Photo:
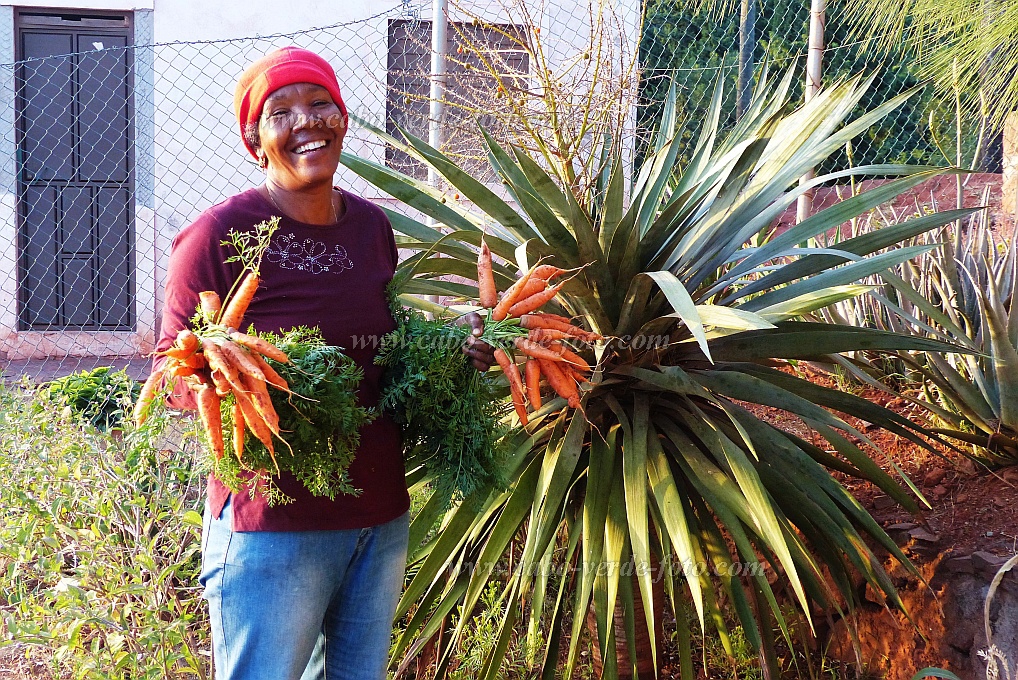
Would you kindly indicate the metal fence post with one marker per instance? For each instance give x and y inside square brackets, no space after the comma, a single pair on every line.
[439,76]
[439,39]
[747,46]
[814,79]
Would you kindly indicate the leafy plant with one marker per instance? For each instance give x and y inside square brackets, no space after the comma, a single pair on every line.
[101,396]
[932,672]
[959,43]
[665,458]
[449,414]
[99,544]
[320,421]
[479,638]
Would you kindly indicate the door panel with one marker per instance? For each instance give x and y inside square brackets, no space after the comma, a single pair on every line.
[39,257]
[114,255]
[102,109]
[76,221]
[48,103]
[77,292]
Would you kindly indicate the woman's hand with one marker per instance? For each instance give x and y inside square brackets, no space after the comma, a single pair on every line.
[482,355]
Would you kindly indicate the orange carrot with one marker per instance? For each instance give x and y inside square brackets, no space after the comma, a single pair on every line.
[487,293]
[552,317]
[529,304]
[210,305]
[560,382]
[261,346]
[241,359]
[512,373]
[569,356]
[546,272]
[177,353]
[180,370]
[211,418]
[183,347]
[533,287]
[221,384]
[238,430]
[255,423]
[509,297]
[271,376]
[552,322]
[532,373]
[196,360]
[580,376]
[532,349]
[545,335]
[259,396]
[148,393]
[199,379]
[187,340]
[237,308]
[219,362]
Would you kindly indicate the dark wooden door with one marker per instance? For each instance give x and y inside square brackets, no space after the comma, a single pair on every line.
[75,180]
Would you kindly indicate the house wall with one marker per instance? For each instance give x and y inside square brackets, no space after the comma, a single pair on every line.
[188,153]
[8,187]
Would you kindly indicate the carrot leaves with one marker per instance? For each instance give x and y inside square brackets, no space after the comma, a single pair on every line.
[320,422]
[449,413]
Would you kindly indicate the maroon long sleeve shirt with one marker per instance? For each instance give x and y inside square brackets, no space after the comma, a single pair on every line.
[332,277]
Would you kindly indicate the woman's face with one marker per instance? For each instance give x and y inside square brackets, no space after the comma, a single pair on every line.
[301,132]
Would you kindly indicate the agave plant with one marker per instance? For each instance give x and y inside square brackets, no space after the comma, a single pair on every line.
[962,291]
[666,463]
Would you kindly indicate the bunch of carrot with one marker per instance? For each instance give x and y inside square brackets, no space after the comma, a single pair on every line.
[545,346]
[216,360]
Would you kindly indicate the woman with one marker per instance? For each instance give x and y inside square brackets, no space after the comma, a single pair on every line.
[307,589]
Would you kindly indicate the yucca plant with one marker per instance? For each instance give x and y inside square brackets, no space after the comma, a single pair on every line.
[666,463]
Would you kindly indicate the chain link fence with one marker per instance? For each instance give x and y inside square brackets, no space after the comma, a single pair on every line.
[111,142]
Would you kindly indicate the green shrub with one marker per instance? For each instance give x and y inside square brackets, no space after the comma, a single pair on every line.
[101,396]
[99,543]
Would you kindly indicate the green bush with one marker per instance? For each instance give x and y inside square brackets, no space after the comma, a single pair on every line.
[101,396]
[99,544]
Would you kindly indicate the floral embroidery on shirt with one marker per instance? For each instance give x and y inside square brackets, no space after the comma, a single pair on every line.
[308,255]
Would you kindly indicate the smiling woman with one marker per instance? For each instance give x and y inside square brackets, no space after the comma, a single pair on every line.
[300,151]
[299,135]
[308,588]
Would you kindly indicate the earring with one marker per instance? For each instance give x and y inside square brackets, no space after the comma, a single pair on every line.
[263,162]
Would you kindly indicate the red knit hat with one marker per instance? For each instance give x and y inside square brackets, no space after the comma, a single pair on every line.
[277,69]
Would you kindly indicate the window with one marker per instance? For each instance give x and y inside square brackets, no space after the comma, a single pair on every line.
[470,93]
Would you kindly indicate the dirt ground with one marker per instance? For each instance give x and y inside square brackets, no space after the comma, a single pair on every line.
[971,507]
[972,517]
[16,664]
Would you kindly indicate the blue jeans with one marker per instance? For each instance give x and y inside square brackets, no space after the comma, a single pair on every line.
[305,605]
